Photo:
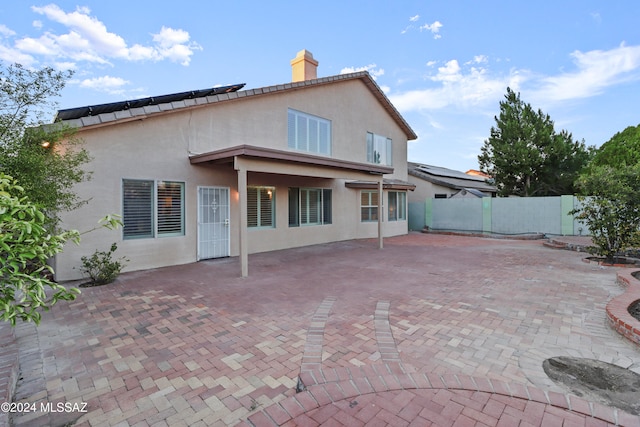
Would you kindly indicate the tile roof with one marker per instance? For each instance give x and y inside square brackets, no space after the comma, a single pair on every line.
[129,110]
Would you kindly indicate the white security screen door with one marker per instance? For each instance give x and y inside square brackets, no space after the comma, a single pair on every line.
[213,222]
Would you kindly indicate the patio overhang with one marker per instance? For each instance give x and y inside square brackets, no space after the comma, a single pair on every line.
[387,184]
[228,155]
[247,159]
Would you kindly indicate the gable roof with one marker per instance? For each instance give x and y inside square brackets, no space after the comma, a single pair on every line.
[450,178]
[112,113]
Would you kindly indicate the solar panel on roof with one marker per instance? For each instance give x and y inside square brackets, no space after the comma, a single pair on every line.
[93,110]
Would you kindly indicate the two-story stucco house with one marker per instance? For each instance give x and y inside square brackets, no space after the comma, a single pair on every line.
[230,172]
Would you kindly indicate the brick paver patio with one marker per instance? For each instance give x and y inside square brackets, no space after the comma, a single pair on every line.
[431,330]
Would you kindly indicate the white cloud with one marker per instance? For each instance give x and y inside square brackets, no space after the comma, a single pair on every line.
[65,66]
[479,59]
[12,55]
[474,85]
[414,18]
[596,70]
[458,87]
[104,82]
[88,39]
[6,31]
[37,24]
[431,63]
[108,84]
[434,28]
[371,68]
[449,73]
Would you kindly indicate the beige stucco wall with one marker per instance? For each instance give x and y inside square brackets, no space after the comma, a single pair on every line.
[426,190]
[158,148]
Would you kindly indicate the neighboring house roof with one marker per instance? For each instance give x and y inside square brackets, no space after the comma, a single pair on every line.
[116,112]
[450,178]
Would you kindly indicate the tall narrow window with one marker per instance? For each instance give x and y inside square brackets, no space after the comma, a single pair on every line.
[137,209]
[368,206]
[170,208]
[379,149]
[294,207]
[309,206]
[261,206]
[308,133]
[397,206]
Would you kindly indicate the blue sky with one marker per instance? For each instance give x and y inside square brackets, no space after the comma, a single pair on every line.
[444,64]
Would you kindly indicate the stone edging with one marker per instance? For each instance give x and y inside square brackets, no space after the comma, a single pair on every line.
[328,386]
[9,367]
[617,309]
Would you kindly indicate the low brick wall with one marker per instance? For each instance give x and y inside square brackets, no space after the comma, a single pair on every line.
[618,308]
[8,367]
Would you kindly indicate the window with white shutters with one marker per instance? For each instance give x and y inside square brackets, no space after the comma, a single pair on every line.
[152,208]
[261,207]
[170,208]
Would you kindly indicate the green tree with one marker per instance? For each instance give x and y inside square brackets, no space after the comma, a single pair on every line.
[25,247]
[623,149]
[610,206]
[526,156]
[29,150]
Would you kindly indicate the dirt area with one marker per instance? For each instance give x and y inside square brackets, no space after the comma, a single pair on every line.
[593,379]
[634,310]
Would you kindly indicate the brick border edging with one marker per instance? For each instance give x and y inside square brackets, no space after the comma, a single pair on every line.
[9,368]
[353,382]
[617,309]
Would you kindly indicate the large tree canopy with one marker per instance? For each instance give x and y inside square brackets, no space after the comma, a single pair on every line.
[623,149]
[28,149]
[526,156]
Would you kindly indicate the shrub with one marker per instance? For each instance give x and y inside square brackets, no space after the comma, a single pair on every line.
[101,268]
[25,247]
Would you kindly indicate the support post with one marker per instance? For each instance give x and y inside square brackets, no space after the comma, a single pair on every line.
[242,203]
[380,214]
[487,216]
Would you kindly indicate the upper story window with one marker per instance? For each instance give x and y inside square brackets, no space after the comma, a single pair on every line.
[379,149]
[309,133]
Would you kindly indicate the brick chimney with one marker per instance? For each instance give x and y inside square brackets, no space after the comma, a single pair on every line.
[304,67]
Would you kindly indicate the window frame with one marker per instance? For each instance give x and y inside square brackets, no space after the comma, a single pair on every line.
[155,217]
[309,133]
[270,193]
[298,217]
[371,206]
[379,144]
[397,210]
